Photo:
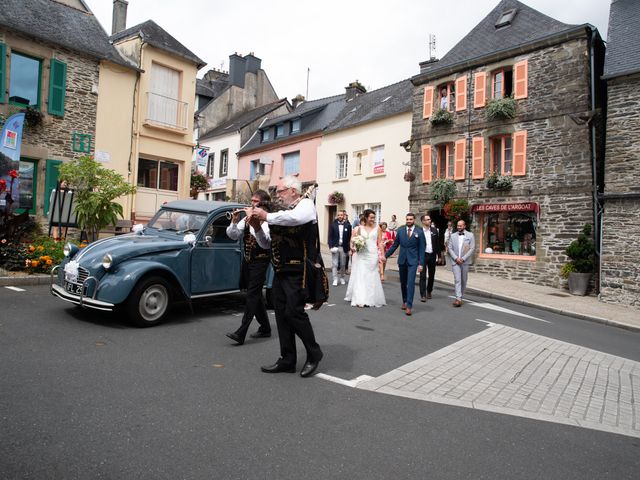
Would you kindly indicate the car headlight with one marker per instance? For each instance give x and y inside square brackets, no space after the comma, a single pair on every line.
[107,260]
[70,249]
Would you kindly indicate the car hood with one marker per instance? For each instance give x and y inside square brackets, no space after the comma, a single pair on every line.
[124,247]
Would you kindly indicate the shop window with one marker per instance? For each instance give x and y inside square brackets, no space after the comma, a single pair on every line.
[501,154]
[224,163]
[509,233]
[341,165]
[502,83]
[291,163]
[444,161]
[447,97]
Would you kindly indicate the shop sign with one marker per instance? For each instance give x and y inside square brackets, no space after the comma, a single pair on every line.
[505,207]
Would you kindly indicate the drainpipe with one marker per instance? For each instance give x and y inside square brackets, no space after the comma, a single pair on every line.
[597,217]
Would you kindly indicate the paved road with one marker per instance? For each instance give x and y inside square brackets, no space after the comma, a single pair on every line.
[83,395]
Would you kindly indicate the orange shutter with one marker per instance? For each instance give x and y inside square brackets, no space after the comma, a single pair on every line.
[520,79]
[458,171]
[426,163]
[477,166]
[479,91]
[427,109]
[461,93]
[520,153]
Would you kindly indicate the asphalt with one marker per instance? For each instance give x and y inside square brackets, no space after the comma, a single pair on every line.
[547,298]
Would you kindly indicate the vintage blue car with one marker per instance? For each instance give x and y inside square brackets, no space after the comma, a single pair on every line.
[183,253]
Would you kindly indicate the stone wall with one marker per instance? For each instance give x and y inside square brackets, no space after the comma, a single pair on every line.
[620,275]
[558,160]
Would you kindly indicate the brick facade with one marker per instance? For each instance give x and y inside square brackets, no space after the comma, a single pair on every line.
[558,154]
[620,275]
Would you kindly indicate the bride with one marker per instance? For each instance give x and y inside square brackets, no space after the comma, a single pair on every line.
[365,287]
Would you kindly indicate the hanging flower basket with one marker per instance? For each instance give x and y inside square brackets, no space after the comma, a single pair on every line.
[335,198]
[409,176]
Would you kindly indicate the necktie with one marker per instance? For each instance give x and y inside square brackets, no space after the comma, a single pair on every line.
[409,230]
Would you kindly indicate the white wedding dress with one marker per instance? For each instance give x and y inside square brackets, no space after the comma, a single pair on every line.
[365,287]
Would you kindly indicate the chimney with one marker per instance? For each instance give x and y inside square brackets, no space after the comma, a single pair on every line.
[213,75]
[119,20]
[297,100]
[237,69]
[253,63]
[353,90]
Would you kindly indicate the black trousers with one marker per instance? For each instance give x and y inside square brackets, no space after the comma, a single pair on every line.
[291,319]
[429,266]
[257,272]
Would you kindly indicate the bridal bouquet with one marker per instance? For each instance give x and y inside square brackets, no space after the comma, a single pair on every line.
[359,242]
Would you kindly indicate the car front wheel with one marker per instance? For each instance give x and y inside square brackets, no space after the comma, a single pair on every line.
[149,302]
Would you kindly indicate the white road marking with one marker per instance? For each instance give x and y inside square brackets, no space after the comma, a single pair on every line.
[490,306]
[489,324]
[16,289]
[347,383]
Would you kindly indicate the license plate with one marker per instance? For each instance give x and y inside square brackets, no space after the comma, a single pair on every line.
[74,288]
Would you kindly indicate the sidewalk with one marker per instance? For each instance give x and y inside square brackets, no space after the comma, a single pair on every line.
[547,298]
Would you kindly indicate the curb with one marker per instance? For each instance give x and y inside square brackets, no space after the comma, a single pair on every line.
[27,280]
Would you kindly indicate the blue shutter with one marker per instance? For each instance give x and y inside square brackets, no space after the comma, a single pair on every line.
[3,71]
[57,87]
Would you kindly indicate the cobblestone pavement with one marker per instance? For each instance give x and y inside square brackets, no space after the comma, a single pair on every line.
[509,371]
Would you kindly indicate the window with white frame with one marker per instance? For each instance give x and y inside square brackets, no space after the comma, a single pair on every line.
[291,163]
[341,165]
[359,157]
[224,163]
[295,125]
[211,162]
[377,157]
[164,104]
[256,168]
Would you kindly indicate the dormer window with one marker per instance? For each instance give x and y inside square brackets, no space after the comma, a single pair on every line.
[506,18]
[280,130]
[266,134]
[295,125]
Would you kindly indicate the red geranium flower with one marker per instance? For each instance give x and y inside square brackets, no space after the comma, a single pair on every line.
[3,185]
[13,173]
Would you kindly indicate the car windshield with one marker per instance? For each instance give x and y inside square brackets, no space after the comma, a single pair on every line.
[177,221]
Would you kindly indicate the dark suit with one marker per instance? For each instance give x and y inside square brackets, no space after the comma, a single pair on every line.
[429,265]
[411,256]
[339,258]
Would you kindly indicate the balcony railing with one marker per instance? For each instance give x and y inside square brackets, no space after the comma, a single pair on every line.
[165,111]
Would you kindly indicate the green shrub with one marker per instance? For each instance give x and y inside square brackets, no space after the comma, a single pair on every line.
[443,190]
[501,108]
[441,117]
[581,251]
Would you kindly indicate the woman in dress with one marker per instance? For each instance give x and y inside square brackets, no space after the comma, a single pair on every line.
[386,238]
[365,287]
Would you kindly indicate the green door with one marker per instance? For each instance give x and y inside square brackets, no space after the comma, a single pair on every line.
[50,181]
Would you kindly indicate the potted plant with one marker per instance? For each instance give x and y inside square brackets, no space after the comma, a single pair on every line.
[495,181]
[455,210]
[199,183]
[441,117]
[503,108]
[580,269]
[443,190]
[335,198]
[409,176]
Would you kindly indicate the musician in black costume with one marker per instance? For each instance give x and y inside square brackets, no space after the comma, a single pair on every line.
[292,233]
[256,264]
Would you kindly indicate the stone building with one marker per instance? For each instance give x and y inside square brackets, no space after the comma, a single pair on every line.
[620,275]
[55,72]
[547,148]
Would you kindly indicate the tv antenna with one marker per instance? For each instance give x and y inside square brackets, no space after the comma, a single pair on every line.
[432,46]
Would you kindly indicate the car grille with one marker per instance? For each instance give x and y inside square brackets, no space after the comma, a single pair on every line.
[83,273]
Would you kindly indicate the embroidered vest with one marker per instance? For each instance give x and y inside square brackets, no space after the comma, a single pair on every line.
[252,251]
[289,247]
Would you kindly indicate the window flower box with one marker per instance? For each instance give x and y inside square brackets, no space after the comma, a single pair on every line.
[441,117]
[501,109]
[335,198]
[495,181]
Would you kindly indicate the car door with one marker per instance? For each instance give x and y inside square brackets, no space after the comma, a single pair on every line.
[215,265]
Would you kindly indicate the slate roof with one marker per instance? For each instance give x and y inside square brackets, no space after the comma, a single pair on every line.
[623,40]
[242,120]
[60,24]
[157,37]
[320,114]
[375,105]
[485,39]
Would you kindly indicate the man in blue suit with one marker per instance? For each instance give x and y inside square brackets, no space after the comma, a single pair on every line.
[412,245]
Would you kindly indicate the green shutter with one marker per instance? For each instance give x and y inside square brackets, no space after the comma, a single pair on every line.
[3,70]
[57,87]
[50,181]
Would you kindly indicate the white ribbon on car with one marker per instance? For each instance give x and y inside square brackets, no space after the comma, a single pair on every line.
[138,229]
[71,271]
[189,238]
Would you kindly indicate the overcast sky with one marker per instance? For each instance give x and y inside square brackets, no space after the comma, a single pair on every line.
[378,42]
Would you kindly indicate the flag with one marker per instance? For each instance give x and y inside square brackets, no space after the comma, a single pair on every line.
[10,143]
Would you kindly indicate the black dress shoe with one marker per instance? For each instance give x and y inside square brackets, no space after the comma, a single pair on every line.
[260,334]
[309,368]
[236,338]
[277,368]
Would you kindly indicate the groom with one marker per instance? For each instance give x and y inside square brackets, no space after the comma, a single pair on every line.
[412,245]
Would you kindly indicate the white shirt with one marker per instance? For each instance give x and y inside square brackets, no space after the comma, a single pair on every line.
[460,243]
[304,212]
[427,236]
[340,230]
[236,230]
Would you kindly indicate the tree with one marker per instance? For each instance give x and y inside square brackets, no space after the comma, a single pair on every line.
[95,189]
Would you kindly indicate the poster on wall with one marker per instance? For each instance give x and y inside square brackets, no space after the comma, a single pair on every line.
[378,160]
[10,143]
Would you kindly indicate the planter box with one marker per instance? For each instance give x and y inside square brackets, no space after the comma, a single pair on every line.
[579,283]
